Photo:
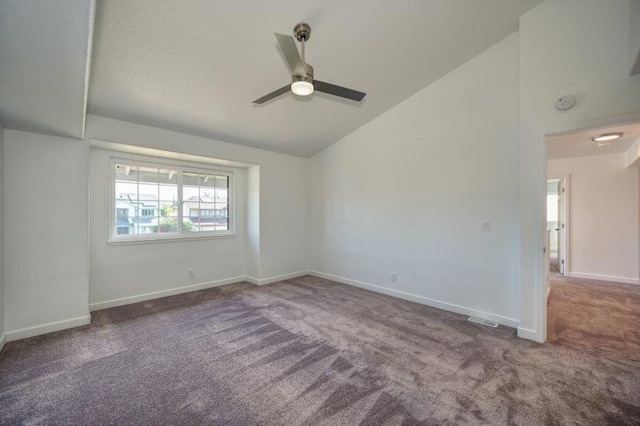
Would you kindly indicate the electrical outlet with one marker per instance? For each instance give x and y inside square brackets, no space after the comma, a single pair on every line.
[394,277]
[191,273]
[486,226]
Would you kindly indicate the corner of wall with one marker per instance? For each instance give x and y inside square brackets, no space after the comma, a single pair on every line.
[2,335]
[252,243]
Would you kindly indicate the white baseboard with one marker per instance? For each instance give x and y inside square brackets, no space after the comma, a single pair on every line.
[599,277]
[23,333]
[163,293]
[263,281]
[252,280]
[179,290]
[529,334]
[548,292]
[510,322]
[76,322]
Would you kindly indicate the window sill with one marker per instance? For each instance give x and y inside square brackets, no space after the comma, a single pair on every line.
[152,240]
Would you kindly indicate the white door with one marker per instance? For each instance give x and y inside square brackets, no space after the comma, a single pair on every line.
[562,250]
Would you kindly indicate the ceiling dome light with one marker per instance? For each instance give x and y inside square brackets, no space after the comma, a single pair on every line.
[607,137]
[302,88]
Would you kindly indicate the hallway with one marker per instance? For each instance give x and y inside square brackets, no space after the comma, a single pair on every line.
[596,315]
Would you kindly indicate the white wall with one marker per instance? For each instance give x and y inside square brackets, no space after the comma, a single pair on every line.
[122,271]
[2,338]
[45,233]
[46,226]
[604,217]
[277,190]
[634,36]
[407,192]
[566,46]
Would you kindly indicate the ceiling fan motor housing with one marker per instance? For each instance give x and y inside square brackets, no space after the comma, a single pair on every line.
[306,76]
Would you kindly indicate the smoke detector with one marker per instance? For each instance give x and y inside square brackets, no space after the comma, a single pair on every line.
[565,102]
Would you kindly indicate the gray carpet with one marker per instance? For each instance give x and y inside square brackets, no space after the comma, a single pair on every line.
[587,314]
[305,351]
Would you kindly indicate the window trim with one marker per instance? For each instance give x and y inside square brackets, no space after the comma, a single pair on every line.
[179,166]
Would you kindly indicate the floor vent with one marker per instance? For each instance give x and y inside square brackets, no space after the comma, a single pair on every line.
[484,322]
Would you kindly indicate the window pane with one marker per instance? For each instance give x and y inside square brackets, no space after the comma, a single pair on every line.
[222,217]
[188,225]
[206,201]
[126,193]
[168,176]
[139,209]
[126,173]
[147,201]
[191,178]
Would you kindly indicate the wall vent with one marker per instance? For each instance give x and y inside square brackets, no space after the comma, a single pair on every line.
[484,322]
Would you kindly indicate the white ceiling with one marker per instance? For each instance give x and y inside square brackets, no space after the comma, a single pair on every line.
[196,66]
[580,144]
[44,61]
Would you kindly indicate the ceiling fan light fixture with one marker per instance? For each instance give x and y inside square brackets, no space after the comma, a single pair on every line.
[302,88]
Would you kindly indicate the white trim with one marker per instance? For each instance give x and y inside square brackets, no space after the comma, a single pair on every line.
[529,334]
[596,124]
[87,67]
[163,293]
[600,277]
[510,322]
[536,270]
[158,239]
[80,321]
[37,330]
[277,278]
[136,150]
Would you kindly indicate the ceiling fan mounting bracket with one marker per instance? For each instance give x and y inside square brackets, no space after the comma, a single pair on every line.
[302,32]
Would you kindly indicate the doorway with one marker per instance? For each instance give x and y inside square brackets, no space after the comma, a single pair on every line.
[593,178]
[558,223]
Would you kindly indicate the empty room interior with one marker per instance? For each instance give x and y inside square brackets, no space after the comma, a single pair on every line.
[320,212]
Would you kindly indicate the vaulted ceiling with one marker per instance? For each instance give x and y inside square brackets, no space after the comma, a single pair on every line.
[196,66]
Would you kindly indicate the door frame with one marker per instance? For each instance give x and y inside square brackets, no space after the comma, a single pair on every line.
[539,270]
[564,245]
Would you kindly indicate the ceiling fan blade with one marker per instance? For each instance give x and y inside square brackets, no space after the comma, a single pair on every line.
[343,92]
[291,54]
[273,94]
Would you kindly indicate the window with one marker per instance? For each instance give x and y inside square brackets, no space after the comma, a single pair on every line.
[161,201]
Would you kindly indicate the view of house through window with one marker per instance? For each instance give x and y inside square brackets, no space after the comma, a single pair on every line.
[165,201]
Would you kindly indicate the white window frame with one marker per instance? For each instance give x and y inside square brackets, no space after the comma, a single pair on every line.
[180,167]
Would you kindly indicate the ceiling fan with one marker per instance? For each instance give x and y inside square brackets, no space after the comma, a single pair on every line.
[302,81]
